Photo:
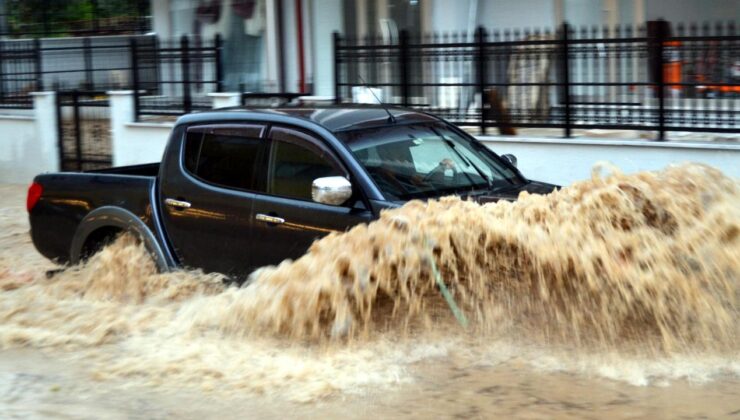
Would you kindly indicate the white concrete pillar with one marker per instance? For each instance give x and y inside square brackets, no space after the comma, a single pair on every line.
[638,14]
[47,130]
[225,99]
[121,113]
[289,56]
[361,9]
[161,23]
[611,20]
[307,45]
[558,13]
[272,52]
[427,25]
[327,17]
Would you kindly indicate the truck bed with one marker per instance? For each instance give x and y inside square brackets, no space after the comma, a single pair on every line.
[68,197]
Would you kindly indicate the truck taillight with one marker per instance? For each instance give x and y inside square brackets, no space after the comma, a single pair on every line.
[34,193]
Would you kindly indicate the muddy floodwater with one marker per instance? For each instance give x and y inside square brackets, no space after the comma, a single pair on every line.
[562,322]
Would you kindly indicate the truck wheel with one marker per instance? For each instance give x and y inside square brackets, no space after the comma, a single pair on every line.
[104,224]
[99,240]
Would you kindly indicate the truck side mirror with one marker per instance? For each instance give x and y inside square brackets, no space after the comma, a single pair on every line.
[510,158]
[333,190]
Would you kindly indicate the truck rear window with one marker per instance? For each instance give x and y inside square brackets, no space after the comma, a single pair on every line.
[225,156]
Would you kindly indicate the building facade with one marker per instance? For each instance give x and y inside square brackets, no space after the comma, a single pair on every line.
[286,45]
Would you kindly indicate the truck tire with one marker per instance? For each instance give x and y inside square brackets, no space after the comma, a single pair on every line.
[103,225]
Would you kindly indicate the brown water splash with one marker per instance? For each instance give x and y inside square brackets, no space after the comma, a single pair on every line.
[650,259]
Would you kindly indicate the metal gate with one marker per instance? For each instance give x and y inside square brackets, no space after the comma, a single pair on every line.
[84,130]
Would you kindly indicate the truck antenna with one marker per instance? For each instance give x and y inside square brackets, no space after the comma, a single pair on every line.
[391,118]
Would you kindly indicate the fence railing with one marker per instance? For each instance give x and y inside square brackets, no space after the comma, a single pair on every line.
[84,130]
[186,71]
[643,78]
[266,99]
[167,77]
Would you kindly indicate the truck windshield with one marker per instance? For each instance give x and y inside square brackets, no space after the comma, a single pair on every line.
[427,160]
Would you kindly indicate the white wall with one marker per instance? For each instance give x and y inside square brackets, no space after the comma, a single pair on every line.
[18,154]
[326,17]
[141,143]
[446,15]
[161,18]
[134,143]
[690,11]
[449,15]
[28,144]
[581,13]
[562,161]
[517,14]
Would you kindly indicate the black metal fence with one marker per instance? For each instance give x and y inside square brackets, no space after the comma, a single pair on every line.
[84,130]
[186,71]
[644,78]
[167,77]
[20,73]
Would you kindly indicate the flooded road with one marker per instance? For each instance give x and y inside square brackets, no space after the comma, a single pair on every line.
[38,385]
[100,343]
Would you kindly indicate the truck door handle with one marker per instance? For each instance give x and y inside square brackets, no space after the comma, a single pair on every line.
[178,204]
[269,219]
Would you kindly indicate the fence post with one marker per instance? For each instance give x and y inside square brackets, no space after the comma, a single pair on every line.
[217,43]
[133,51]
[480,39]
[59,127]
[337,87]
[37,63]
[87,55]
[187,103]
[565,69]
[78,128]
[2,72]
[403,61]
[657,34]
[142,10]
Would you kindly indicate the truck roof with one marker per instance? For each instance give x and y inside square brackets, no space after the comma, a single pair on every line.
[334,118]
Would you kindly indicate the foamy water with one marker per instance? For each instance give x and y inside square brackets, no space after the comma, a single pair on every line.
[625,278]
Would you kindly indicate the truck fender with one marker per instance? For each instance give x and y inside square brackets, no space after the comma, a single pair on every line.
[117,217]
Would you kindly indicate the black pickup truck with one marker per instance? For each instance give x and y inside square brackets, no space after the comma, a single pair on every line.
[239,189]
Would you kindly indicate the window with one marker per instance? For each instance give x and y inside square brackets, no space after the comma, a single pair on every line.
[296,160]
[224,155]
[426,160]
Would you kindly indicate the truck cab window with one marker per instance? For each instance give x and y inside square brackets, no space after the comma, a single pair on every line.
[224,155]
[296,160]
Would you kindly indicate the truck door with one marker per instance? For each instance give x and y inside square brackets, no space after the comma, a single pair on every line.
[286,220]
[207,197]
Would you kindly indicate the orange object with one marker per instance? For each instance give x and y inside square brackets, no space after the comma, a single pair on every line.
[672,64]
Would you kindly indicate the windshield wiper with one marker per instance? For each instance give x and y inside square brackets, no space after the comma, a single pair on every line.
[451,145]
[467,161]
